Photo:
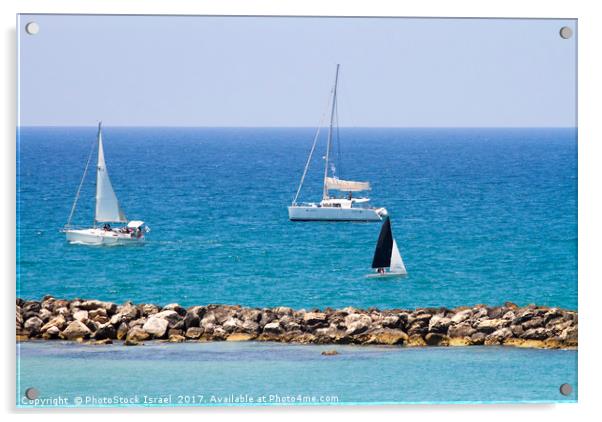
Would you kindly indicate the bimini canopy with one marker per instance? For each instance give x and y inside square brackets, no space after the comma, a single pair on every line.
[134,224]
[346,185]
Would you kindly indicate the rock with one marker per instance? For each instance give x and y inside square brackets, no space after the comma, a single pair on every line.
[461,330]
[33,325]
[169,315]
[174,332]
[250,326]
[232,324]
[461,316]
[191,319]
[241,337]
[101,342]
[106,331]
[282,310]
[156,326]
[52,333]
[95,314]
[194,332]
[272,328]
[131,342]
[535,334]
[459,341]
[122,331]
[76,330]
[569,336]
[478,338]
[533,323]
[357,323]
[314,318]
[329,353]
[436,339]
[439,324]
[80,316]
[137,334]
[175,338]
[89,305]
[44,314]
[58,321]
[125,313]
[252,315]
[488,326]
[176,308]
[148,309]
[416,341]
[388,336]
[498,336]
[391,321]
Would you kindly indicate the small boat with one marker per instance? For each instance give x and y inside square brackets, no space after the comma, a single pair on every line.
[107,211]
[386,255]
[343,208]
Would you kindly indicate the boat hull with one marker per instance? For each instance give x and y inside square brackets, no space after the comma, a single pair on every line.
[315,213]
[387,275]
[100,237]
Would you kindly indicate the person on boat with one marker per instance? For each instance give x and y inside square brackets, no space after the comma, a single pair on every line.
[107,227]
[350,196]
[380,270]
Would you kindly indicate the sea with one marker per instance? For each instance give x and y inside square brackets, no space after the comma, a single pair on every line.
[480,215]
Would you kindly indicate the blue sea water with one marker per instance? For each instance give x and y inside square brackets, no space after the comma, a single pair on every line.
[218,373]
[480,216]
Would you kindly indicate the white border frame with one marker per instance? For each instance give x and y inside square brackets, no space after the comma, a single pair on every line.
[589,101]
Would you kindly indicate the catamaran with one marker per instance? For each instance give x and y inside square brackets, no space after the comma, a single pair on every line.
[330,208]
[386,254]
[107,211]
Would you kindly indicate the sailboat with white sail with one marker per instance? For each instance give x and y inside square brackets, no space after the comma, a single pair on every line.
[107,211]
[330,208]
[386,255]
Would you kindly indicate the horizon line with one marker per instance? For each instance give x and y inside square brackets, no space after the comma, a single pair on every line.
[293,127]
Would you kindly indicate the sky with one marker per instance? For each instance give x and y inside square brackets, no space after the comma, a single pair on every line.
[261,71]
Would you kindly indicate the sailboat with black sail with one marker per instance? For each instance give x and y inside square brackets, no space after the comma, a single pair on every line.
[386,254]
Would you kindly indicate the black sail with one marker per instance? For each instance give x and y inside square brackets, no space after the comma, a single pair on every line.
[384,246]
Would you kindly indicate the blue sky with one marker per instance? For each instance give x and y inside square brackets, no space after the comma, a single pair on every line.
[217,71]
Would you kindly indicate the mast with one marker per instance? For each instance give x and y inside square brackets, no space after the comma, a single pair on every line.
[332,110]
[100,152]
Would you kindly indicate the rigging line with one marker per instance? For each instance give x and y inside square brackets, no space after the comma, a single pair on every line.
[81,183]
[311,152]
[340,169]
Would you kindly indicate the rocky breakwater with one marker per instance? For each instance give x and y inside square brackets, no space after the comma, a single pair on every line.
[100,322]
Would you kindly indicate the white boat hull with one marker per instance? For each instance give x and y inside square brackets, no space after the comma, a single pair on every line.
[389,274]
[317,213]
[98,236]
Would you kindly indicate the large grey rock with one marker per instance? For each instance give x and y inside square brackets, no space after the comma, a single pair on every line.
[461,330]
[313,318]
[461,316]
[357,323]
[439,324]
[76,329]
[33,325]
[272,328]
[488,326]
[155,326]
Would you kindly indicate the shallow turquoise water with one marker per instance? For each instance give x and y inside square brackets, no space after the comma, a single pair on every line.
[480,216]
[359,374]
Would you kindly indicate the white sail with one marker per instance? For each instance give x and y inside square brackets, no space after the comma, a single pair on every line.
[107,206]
[346,185]
[396,261]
